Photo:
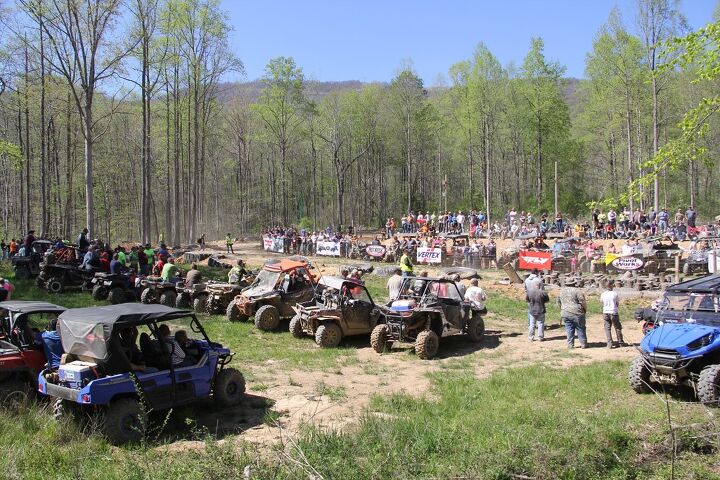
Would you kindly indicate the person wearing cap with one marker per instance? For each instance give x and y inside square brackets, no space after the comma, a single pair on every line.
[406,264]
[572,313]
[536,299]
[237,272]
[169,271]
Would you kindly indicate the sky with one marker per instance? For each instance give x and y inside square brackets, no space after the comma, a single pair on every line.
[369,40]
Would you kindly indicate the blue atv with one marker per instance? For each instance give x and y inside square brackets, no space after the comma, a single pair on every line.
[684,347]
[105,375]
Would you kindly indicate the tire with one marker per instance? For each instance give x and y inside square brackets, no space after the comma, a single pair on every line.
[99,292]
[296,327]
[427,344]
[22,273]
[464,272]
[168,298]
[476,328]
[639,376]
[213,306]
[16,392]
[148,296]
[200,303]
[267,318]
[378,338]
[55,285]
[183,300]
[708,386]
[117,296]
[229,388]
[39,282]
[65,410]
[328,335]
[124,421]
[233,314]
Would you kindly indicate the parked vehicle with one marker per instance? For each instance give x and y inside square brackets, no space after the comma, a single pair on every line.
[29,266]
[156,290]
[341,308]
[116,288]
[21,355]
[277,289]
[427,309]
[98,381]
[684,347]
[60,269]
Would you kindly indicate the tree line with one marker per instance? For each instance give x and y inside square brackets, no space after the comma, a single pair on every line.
[114,115]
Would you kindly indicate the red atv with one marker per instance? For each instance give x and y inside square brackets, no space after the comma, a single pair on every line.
[21,355]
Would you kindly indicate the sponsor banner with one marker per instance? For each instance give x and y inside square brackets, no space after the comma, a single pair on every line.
[377,251]
[329,249]
[530,260]
[273,244]
[627,263]
[429,255]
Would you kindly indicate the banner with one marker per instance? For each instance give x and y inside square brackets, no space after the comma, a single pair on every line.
[273,244]
[530,260]
[330,249]
[377,251]
[429,255]
[627,263]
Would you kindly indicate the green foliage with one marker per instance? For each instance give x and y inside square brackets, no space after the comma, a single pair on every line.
[11,152]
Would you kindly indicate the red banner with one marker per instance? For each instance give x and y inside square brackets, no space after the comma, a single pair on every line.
[530,260]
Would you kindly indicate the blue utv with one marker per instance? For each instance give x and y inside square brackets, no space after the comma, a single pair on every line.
[105,375]
[684,347]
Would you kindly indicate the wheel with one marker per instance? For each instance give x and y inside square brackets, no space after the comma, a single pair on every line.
[233,314]
[99,292]
[229,387]
[296,327]
[476,328]
[708,386]
[148,296]
[39,282]
[167,298]
[427,344]
[15,392]
[200,303]
[116,296]
[639,375]
[65,410]
[379,338]
[267,318]
[55,285]
[183,300]
[22,273]
[125,421]
[213,306]
[328,335]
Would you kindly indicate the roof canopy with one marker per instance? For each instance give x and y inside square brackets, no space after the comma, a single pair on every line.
[26,306]
[706,284]
[285,265]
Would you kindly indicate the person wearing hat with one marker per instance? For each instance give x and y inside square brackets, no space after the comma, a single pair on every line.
[572,313]
[536,299]
[406,265]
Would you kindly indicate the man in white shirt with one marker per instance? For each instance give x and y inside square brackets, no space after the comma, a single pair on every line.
[394,283]
[610,302]
[461,221]
[475,294]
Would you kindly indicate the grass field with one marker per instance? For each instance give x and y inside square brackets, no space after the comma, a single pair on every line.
[537,421]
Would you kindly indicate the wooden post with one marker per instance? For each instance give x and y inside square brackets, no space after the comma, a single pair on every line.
[677,268]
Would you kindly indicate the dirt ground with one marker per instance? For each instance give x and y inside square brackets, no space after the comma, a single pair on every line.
[336,397]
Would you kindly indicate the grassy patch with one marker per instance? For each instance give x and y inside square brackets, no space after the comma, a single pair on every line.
[335,394]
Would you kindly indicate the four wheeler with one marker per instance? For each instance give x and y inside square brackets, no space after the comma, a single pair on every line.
[193,296]
[97,378]
[426,309]
[341,308]
[684,347]
[157,290]
[278,287]
[60,269]
[220,294]
[21,355]
[116,288]
[29,266]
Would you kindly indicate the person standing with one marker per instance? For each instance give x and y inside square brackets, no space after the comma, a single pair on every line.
[572,313]
[229,243]
[691,216]
[394,284]
[475,295]
[82,241]
[536,299]
[406,264]
[610,301]
[7,287]
[532,279]
[201,242]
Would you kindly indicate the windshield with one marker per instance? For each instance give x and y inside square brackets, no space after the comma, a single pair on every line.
[700,308]
[265,282]
[446,290]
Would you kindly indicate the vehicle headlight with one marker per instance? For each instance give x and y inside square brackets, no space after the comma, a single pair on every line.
[701,342]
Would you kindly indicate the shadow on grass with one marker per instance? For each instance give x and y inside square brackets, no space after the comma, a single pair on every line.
[204,418]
